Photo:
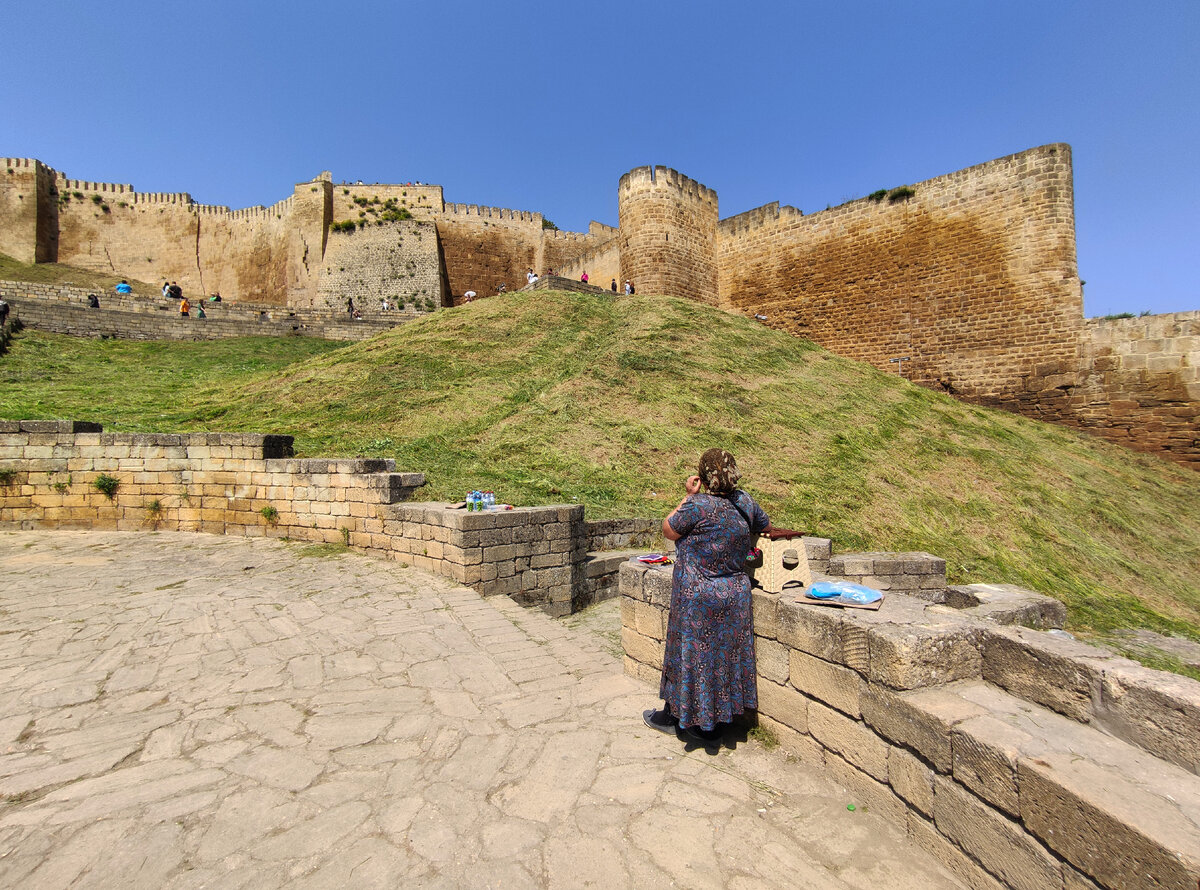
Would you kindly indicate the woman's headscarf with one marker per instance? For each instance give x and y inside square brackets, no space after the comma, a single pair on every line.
[719,472]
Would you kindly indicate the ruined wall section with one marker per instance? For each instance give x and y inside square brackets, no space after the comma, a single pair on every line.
[28,211]
[668,234]
[973,275]
[397,260]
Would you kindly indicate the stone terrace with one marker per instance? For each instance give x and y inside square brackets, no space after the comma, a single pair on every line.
[185,710]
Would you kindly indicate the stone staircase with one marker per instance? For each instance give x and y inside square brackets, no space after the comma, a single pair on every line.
[1019,757]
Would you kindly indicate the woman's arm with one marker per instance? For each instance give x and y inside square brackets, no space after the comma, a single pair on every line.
[691,486]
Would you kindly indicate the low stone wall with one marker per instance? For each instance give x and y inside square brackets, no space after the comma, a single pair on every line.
[52,474]
[64,310]
[1018,758]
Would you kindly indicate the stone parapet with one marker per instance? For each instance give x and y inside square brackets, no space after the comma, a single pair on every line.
[71,474]
[1013,755]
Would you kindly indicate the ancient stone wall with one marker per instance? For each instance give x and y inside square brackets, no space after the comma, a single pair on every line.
[1138,385]
[27,211]
[64,310]
[368,202]
[1018,758]
[396,260]
[52,473]
[601,262]
[483,247]
[668,234]
[971,275]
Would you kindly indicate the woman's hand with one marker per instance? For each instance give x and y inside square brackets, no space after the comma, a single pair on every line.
[692,484]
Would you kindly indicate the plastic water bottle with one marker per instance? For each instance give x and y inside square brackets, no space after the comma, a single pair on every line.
[489,500]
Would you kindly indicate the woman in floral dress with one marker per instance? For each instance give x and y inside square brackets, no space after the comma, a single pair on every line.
[708,675]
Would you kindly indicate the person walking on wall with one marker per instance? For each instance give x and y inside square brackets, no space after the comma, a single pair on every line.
[350,306]
[708,675]
[185,308]
[123,287]
[584,277]
[614,285]
[628,287]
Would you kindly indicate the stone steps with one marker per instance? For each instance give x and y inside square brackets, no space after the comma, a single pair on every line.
[1007,769]
[602,568]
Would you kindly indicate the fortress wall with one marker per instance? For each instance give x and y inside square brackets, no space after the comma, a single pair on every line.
[398,260]
[973,276]
[602,263]
[1138,385]
[27,211]
[668,232]
[422,201]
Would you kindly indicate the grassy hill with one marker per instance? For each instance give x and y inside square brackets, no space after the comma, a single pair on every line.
[552,397]
[57,273]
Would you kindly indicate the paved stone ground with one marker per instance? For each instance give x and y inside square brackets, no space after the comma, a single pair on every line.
[194,711]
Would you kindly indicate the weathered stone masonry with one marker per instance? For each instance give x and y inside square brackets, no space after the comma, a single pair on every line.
[249,484]
[1017,758]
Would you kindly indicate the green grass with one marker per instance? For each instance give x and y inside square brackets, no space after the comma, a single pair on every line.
[561,398]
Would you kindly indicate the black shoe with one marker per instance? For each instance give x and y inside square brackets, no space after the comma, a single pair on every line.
[663,721]
[709,738]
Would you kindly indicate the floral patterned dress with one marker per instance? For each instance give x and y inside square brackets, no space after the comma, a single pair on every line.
[708,670]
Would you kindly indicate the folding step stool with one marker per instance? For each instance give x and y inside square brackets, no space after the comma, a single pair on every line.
[784,561]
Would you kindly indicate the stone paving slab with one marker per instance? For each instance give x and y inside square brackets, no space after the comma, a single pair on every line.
[181,710]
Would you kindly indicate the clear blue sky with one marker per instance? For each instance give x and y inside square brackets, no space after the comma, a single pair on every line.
[542,106]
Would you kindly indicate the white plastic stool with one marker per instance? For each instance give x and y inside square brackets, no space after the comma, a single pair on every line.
[784,561]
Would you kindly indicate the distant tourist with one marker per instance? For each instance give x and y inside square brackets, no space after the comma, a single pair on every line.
[531,276]
[383,304]
[613,286]
[123,287]
[350,310]
[185,308]
[93,301]
[215,298]
[628,287]
[166,290]
[175,292]
[356,315]
[502,288]
[632,288]
[584,277]
[469,296]
[200,311]
[759,317]
[3,312]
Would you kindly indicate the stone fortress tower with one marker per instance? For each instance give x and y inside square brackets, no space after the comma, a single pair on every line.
[668,233]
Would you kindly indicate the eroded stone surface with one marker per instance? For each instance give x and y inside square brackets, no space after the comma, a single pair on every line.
[195,711]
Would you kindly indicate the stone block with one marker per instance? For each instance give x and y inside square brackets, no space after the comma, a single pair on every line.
[798,744]
[1154,710]
[765,606]
[1002,846]
[913,644]
[832,684]
[852,739]
[921,720]
[1061,674]
[656,586]
[630,580]
[771,659]
[642,648]
[1008,604]
[869,794]
[822,631]
[911,779]
[925,835]
[783,704]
